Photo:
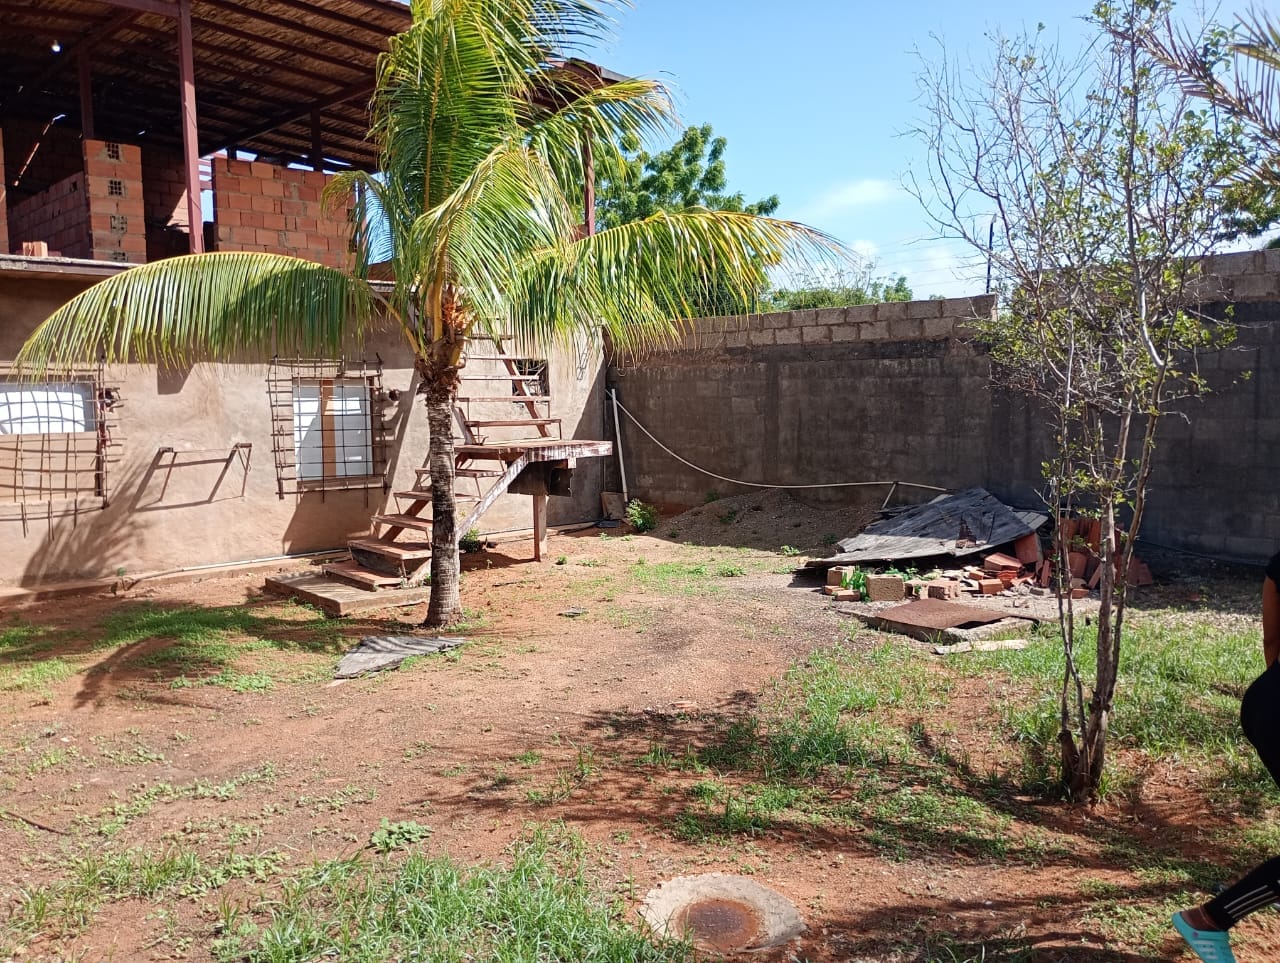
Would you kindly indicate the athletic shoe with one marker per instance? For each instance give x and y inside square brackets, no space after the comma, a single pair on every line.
[1212,946]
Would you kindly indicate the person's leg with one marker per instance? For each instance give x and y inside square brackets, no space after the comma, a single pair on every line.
[1205,927]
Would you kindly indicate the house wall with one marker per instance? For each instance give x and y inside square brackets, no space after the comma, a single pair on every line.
[897,392]
[262,207]
[195,514]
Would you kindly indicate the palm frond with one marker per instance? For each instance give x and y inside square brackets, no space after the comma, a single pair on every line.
[223,306]
[643,281]
[603,118]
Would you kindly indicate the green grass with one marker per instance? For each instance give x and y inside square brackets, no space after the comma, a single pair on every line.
[25,677]
[1178,696]
[543,908]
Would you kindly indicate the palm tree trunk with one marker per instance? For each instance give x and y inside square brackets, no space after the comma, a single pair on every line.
[446,603]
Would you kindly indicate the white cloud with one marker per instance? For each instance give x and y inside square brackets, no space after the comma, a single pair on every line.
[847,197]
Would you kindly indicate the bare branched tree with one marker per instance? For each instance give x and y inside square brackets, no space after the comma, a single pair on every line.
[1101,181]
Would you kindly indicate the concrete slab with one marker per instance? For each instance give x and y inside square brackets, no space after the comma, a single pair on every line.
[336,598]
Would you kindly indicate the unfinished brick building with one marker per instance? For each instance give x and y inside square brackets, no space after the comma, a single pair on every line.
[137,130]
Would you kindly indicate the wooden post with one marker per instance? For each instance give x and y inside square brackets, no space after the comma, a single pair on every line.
[539,526]
[190,128]
[86,96]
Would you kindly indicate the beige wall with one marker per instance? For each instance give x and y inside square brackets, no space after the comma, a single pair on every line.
[200,517]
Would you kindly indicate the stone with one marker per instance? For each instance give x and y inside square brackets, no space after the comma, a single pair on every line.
[886,588]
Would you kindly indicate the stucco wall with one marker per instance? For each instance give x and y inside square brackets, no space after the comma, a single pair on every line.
[898,392]
[199,516]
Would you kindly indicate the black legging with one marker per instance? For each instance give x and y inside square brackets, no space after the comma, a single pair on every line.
[1260,719]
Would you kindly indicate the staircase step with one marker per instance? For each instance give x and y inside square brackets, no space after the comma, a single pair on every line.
[518,399]
[422,496]
[400,551]
[357,574]
[512,422]
[501,377]
[404,521]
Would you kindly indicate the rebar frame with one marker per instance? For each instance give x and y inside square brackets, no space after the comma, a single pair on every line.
[44,474]
[283,378]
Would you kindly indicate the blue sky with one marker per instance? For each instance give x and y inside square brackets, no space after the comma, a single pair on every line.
[815,98]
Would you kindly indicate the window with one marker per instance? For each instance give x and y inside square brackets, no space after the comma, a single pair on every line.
[47,409]
[329,430]
[54,439]
[332,429]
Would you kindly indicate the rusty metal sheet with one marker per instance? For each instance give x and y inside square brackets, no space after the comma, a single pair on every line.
[965,523]
[935,615]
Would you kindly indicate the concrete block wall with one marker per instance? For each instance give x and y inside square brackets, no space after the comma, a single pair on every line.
[262,207]
[899,392]
[59,216]
[113,186]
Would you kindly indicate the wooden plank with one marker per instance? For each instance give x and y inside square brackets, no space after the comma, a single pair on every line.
[361,576]
[338,599]
[400,551]
[539,526]
[510,422]
[404,521]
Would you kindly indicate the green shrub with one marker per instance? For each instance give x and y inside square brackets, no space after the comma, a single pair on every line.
[641,517]
[471,542]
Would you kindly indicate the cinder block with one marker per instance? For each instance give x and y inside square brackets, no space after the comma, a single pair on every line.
[874,331]
[788,335]
[924,309]
[816,334]
[906,329]
[836,574]
[944,588]
[991,586]
[886,588]
[890,310]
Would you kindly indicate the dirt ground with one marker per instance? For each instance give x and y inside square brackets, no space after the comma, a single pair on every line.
[576,669]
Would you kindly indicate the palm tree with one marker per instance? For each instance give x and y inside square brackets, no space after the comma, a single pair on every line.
[484,136]
[1238,71]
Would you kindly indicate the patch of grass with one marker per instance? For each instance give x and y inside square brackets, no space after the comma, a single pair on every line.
[67,905]
[26,677]
[674,578]
[543,908]
[730,571]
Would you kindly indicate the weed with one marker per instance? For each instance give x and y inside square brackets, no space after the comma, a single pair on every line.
[730,571]
[472,541]
[728,517]
[640,516]
[400,835]
[790,551]
[562,559]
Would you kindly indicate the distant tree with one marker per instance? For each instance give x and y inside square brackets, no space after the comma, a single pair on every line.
[689,174]
[842,290]
[1103,179]
[1238,70]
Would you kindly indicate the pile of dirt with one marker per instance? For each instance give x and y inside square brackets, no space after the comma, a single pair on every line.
[767,520]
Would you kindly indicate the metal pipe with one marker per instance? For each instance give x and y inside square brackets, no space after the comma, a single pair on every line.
[622,462]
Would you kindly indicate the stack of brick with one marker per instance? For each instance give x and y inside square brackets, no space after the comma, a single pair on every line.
[262,207]
[113,186]
[57,216]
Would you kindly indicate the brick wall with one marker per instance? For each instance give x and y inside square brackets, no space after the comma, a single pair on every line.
[164,202]
[58,216]
[113,176]
[897,392]
[262,207]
